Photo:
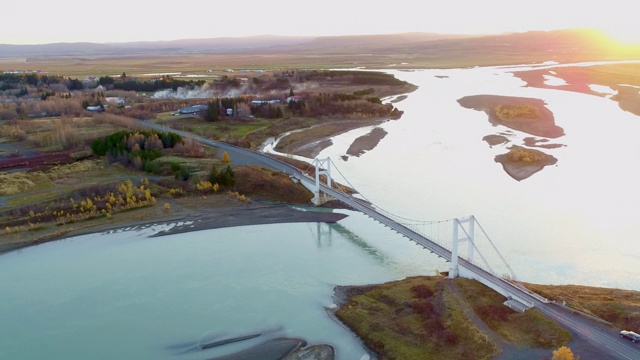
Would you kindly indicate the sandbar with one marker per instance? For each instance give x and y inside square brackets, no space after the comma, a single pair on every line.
[195,214]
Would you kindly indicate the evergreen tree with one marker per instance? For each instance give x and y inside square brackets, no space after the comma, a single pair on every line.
[213,111]
[213,175]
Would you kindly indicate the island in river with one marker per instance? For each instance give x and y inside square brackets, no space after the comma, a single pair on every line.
[526,115]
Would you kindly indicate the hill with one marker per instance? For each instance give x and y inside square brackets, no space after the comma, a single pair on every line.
[420,49]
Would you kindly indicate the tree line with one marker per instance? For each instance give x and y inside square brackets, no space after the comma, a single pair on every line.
[129,84]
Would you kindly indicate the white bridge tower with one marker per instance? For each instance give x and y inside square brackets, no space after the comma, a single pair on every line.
[323,167]
[468,236]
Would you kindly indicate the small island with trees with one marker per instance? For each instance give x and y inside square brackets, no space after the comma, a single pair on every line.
[526,115]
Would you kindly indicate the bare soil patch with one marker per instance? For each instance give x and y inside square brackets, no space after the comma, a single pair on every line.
[543,126]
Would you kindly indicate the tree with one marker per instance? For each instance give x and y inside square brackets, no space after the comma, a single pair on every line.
[213,175]
[291,92]
[564,353]
[105,81]
[75,84]
[213,111]
[225,157]
[225,177]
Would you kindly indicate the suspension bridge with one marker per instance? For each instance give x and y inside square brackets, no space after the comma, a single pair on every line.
[459,232]
[447,244]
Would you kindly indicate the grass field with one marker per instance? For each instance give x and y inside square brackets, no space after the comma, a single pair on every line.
[216,130]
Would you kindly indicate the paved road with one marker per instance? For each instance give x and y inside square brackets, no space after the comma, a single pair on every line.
[239,156]
[606,340]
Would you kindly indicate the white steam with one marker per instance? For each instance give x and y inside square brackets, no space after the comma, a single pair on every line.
[200,92]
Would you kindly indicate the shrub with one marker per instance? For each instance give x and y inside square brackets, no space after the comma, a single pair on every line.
[508,112]
[184,173]
[421,291]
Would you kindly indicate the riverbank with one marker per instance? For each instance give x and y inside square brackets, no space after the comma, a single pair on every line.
[200,213]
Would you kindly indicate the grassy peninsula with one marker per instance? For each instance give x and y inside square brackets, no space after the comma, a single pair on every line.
[439,318]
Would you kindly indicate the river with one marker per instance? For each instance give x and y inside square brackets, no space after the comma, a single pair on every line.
[126,295]
[572,223]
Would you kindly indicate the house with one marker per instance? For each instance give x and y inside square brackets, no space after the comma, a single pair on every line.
[115,100]
[264,102]
[195,109]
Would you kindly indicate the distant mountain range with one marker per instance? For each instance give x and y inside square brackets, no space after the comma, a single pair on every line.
[566,44]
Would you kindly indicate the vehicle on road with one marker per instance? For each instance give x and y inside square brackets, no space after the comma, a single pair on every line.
[630,335]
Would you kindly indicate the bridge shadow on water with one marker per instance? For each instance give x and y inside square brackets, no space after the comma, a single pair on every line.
[324,236]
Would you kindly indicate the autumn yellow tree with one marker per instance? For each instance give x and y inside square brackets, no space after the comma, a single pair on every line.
[564,353]
[225,157]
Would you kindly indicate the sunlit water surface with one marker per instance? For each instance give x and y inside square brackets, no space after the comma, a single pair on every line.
[572,223]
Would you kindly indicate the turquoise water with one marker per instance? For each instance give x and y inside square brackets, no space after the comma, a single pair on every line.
[125,295]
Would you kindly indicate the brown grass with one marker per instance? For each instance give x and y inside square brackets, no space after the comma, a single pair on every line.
[62,133]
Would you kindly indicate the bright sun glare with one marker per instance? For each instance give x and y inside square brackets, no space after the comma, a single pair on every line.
[626,36]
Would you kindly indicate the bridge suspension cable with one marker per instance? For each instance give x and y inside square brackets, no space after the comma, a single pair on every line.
[404,220]
[420,227]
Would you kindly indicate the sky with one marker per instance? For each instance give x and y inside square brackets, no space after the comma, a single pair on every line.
[47,21]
